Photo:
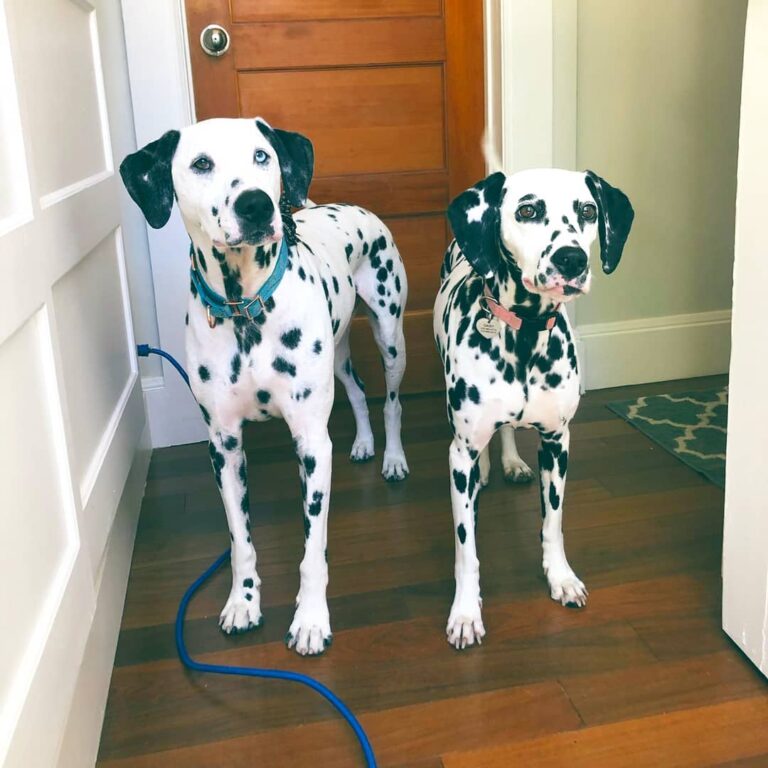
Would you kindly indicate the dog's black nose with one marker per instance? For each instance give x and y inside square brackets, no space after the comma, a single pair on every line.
[254,206]
[569,261]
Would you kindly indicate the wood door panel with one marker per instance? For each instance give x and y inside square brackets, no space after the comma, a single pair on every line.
[302,10]
[398,115]
[337,43]
[391,93]
[386,194]
[418,239]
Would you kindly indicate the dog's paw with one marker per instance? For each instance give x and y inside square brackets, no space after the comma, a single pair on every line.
[310,632]
[567,589]
[465,626]
[517,471]
[395,466]
[241,614]
[362,449]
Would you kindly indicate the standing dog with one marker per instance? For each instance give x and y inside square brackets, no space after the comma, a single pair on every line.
[521,252]
[271,298]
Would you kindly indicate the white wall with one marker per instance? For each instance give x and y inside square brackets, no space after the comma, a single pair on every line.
[745,544]
[658,115]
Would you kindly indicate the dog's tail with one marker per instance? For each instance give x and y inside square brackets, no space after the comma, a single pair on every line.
[492,160]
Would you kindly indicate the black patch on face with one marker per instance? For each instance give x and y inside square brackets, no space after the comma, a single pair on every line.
[236,365]
[281,365]
[462,533]
[203,373]
[263,396]
[297,159]
[291,339]
[460,481]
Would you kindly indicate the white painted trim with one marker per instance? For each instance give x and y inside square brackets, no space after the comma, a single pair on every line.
[82,732]
[51,198]
[654,349]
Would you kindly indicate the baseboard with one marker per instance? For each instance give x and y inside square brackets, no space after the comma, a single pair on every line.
[655,349]
[80,744]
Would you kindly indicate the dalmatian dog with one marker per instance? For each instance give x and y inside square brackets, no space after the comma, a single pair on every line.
[290,284]
[520,253]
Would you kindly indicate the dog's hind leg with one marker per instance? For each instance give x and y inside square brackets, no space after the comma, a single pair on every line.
[382,285]
[515,469]
[564,585]
[362,448]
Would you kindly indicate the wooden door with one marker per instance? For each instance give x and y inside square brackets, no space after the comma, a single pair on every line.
[391,92]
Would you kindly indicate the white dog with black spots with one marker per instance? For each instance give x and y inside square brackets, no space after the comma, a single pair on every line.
[235,181]
[520,253]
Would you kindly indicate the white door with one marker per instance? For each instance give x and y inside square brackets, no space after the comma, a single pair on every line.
[70,406]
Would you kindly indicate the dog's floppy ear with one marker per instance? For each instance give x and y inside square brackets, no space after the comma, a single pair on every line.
[475,219]
[614,220]
[297,161]
[147,177]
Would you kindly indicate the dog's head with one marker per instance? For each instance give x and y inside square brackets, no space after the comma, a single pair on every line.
[544,221]
[226,176]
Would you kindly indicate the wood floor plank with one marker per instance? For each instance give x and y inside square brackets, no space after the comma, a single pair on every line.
[687,739]
[399,735]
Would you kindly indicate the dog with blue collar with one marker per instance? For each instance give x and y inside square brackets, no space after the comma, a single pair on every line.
[270,303]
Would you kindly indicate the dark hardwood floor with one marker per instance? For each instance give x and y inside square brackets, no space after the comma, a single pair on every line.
[643,676]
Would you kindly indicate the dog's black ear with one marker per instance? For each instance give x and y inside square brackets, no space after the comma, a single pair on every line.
[614,220]
[475,219]
[297,161]
[147,177]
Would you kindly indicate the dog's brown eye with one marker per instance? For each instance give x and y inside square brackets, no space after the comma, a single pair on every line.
[588,212]
[203,163]
[526,212]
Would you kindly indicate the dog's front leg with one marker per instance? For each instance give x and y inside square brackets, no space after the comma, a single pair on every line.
[243,608]
[310,631]
[465,623]
[564,585]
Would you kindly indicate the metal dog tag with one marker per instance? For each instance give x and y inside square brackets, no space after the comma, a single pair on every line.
[487,327]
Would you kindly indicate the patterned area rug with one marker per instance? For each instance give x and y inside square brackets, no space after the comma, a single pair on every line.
[690,425]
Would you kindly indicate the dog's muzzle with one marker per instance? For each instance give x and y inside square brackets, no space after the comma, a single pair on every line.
[570,262]
[254,210]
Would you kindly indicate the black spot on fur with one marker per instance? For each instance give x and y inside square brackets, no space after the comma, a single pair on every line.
[317,347]
[236,364]
[281,365]
[291,338]
[263,396]
[248,583]
[462,533]
[230,443]
[206,415]
[459,480]
[203,373]
[309,464]
[473,394]
[317,500]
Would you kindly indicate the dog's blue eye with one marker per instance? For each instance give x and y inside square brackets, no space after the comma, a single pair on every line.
[203,163]
[588,212]
[260,156]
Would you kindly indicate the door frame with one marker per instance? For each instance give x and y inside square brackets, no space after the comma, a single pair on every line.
[515,109]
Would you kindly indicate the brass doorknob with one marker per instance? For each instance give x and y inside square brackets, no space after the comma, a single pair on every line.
[214,40]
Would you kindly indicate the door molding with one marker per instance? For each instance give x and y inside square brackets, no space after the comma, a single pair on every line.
[161,91]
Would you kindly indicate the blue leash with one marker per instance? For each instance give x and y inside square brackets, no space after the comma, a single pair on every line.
[144,350]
